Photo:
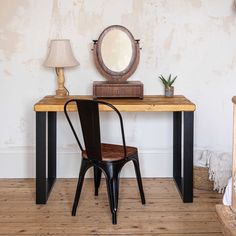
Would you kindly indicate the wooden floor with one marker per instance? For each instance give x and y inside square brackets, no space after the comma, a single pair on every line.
[164,213]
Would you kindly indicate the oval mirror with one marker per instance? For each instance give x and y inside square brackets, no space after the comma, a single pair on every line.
[116,53]
[116,50]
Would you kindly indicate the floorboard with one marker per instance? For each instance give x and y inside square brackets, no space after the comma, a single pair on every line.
[164,213]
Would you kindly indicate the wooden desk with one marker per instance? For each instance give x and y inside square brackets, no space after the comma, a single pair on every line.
[46,127]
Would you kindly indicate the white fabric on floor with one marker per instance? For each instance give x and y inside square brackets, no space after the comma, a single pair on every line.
[219,165]
[227,199]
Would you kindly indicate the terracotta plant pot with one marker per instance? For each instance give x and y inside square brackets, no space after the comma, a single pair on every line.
[169,91]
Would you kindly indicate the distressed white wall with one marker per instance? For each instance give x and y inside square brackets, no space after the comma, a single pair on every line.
[194,39]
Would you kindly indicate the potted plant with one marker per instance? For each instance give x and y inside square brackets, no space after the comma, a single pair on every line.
[169,89]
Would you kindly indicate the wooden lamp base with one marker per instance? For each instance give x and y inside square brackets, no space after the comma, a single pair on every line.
[61,92]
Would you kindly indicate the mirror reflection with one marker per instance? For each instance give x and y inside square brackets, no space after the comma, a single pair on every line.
[116,50]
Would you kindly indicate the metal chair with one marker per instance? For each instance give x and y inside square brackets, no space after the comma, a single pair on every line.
[106,158]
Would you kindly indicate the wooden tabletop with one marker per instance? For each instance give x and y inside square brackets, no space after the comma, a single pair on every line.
[149,103]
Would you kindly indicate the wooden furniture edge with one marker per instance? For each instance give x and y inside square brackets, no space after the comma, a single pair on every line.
[234,158]
[227,219]
[122,108]
[145,107]
[234,99]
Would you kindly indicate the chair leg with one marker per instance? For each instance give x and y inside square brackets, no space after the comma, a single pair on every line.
[112,181]
[97,179]
[84,167]
[139,179]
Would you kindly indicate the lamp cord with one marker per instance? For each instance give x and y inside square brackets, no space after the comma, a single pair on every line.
[67,91]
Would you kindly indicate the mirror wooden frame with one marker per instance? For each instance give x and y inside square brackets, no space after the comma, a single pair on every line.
[113,76]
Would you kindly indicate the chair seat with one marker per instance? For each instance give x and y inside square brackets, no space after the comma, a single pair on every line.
[113,152]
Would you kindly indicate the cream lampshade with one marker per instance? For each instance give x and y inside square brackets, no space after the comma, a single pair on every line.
[60,55]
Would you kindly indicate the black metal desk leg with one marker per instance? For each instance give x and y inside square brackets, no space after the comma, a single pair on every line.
[45,178]
[177,137]
[41,178]
[187,183]
[52,149]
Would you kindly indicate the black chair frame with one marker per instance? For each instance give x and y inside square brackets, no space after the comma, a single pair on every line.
[88,111]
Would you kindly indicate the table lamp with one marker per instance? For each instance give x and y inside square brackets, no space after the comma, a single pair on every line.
[60,55]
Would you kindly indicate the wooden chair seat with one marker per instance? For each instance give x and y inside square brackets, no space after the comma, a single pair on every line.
[113,152]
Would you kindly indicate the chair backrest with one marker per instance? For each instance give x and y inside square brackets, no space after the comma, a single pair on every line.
[88,111]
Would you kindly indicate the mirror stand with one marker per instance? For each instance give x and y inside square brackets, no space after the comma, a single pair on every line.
[127,89]
[116,56]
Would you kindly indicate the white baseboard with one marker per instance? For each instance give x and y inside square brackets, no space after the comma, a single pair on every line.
[20,163]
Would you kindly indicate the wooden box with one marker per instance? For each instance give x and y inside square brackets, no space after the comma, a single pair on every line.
[127,89]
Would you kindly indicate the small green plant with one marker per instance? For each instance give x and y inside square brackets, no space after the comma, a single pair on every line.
[167,82]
